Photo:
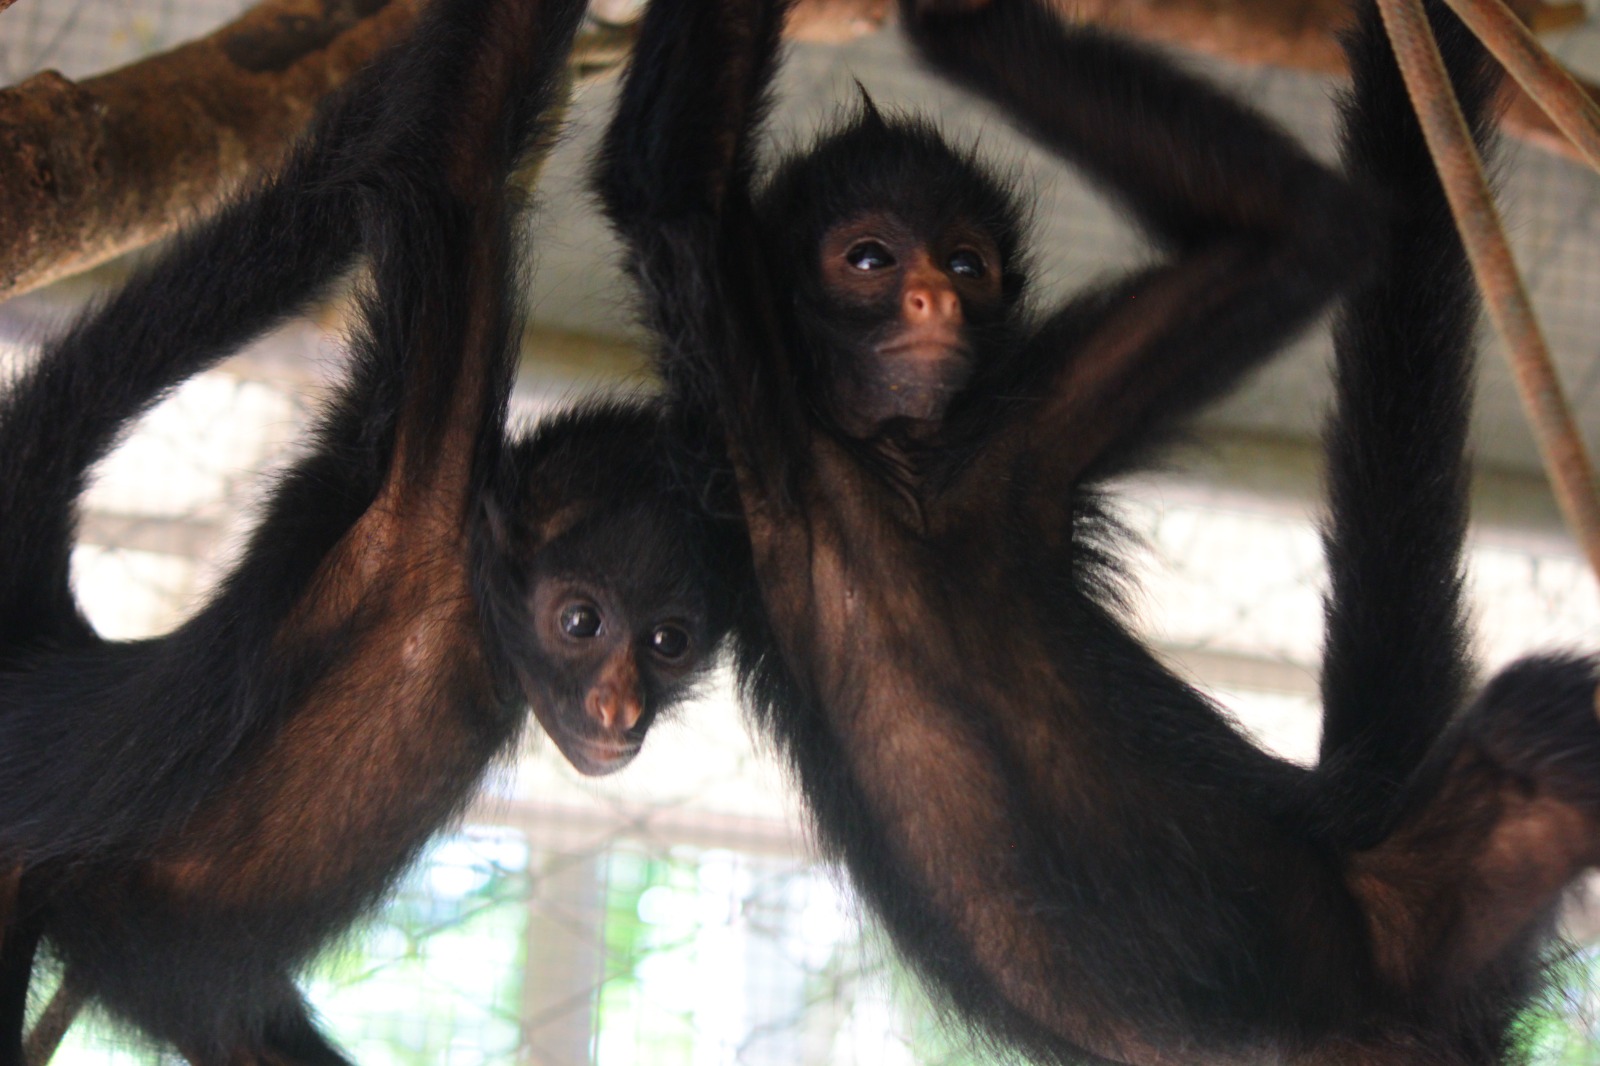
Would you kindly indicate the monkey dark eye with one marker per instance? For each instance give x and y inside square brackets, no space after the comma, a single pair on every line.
[580,620]
[669,642]
[869,255]
[967,264]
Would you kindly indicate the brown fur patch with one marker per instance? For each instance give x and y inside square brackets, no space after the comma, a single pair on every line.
[372,751]
[1462,881]
[849,592]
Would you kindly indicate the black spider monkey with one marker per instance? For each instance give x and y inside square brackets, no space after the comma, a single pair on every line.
[192,817]
[1075,848]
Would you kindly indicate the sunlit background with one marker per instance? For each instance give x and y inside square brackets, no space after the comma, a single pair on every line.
[673,915]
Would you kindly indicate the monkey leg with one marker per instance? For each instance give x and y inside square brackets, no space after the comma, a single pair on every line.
[1465,888]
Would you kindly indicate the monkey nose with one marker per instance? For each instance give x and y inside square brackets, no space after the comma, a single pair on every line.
[613,700]
[931,303]
[616,709]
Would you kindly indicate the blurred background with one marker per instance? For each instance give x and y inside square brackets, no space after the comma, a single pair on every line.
[674,915]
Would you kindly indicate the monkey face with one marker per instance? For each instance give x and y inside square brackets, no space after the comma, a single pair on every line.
[914,288]
[618,625]
[606,608]
[613,656]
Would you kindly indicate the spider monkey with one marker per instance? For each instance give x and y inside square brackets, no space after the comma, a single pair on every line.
[192,817]
[1074,848]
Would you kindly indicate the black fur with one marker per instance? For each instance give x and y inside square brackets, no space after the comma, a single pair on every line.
[192,817]
[1077,850]
[1396,666]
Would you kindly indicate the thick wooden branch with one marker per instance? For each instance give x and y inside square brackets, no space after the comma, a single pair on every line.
[89,170]
[92,169]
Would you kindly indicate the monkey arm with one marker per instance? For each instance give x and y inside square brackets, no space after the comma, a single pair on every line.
[435,365]
[1192,165]
[674,179]
[680,143]
[1395,668]
[1260,235]
[401,462]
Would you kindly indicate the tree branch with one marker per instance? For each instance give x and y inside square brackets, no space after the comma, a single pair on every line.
[92,169]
